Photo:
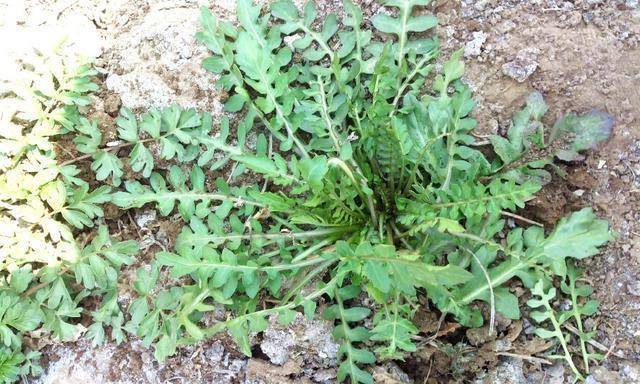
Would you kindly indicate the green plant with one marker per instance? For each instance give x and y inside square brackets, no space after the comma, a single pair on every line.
[559,319]
[369,183]
[352,171]
[45,274]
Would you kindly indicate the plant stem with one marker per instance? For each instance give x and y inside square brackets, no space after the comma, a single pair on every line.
[334,161]
[302,283]
[412,178]
[406,83]
[266,312]
[563,343]
[192,238]
[345,332]
[309,251]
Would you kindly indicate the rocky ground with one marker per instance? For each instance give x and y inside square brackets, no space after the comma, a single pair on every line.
[580,54]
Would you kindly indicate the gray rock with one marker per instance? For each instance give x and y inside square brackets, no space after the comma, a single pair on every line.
[154,60]
[508,371]
[554,374]
[325,375]
[523,66]
[277,345]
[215,352]
[634,288]
[601,375]
[474,47]
[145,217]
[630,372]
[309,338]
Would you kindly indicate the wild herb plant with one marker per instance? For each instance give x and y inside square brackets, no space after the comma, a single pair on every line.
[46,269]
[369,183]
[579,310]
[352,171]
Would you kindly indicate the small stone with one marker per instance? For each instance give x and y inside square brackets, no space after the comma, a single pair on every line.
[215,352]
[277,345]
[634,288]
[506,26]
[556,371]
[574,19]
[522,66]
[145,217]
[601,163]
[480,5]
[529,329]
[630,372]
[112,104]
[591,380]
[588,17]
[327,375]
[578,192]
[508,371]
[601,375]
[474,47]
[310,337]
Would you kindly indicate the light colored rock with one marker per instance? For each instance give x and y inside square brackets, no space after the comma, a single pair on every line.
[601,375]
[634,288]
[154,60]
[141,89]
[508,371]
[474,47]
[630,372]
[277,344]
[311,338]
[93,365]
[523,66]
[145,217]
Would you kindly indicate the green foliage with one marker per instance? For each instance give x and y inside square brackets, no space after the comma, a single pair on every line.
[45,275]
[559,319]
[177,133]
[10,363]
[361,173]
[351,355]
[527,133]
[352,172]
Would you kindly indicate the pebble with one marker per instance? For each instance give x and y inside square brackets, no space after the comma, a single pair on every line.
[634,288]
[523,66]
[601,375]
[474,46]
[630,372]
[145,217]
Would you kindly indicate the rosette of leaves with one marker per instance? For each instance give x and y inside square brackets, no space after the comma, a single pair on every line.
[368,182]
